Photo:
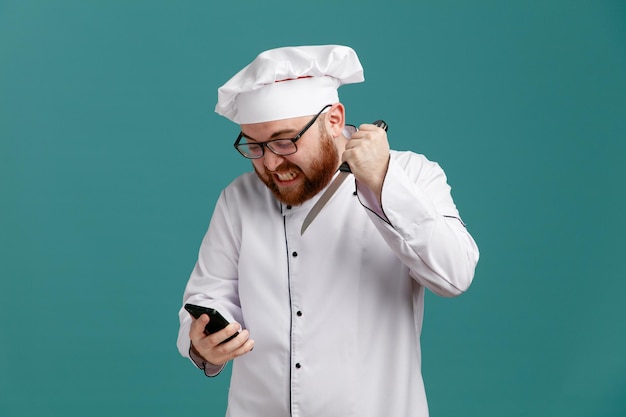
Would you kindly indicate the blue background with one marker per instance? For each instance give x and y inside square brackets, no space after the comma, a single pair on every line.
[111,159]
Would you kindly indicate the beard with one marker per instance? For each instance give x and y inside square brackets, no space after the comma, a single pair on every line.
[320,172]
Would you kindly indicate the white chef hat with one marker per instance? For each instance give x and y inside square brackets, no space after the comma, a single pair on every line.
[288,82]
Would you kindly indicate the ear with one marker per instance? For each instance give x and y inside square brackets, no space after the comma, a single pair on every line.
[335,120]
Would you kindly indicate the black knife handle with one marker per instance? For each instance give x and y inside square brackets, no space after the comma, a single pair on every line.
[380,123]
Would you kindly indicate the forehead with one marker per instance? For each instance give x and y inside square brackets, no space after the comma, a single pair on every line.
[275,128]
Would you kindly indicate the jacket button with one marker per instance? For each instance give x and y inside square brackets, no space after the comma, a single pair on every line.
[298,365]
[294,254]
[299,314]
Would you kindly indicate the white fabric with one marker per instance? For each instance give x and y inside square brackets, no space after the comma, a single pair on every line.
[288,82]
[357,280]
[287,99]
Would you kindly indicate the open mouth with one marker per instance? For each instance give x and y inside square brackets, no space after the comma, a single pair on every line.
[285,177]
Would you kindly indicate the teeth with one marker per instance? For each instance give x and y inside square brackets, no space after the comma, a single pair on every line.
[286,176]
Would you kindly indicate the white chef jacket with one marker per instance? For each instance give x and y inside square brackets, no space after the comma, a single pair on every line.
[336,314]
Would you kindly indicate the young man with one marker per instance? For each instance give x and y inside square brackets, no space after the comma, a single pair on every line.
[334,313]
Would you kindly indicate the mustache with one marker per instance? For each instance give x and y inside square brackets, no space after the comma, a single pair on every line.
[284,167]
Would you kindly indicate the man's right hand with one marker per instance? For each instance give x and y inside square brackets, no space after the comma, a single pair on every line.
[209,347]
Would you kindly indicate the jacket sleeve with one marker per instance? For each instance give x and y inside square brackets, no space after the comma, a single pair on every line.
[420,222]
[213,281]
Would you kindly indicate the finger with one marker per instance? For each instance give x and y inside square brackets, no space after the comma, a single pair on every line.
[245,348]
[238,346]
[228,331]
[369,127]
[196,330]
[358,135]
[365,136]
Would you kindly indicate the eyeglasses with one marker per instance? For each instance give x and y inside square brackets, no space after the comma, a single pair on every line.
[281,147]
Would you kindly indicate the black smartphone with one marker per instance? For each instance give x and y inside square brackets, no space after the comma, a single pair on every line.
[216,321]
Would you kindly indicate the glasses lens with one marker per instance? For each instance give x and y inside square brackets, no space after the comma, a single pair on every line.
[349,130]
[250,150]
[282,146]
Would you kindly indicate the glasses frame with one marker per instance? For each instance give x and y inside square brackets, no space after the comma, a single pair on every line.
[267,144]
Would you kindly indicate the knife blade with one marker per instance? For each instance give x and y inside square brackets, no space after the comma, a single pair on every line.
[344,172]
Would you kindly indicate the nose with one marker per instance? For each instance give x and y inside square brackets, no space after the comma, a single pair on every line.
[271,160]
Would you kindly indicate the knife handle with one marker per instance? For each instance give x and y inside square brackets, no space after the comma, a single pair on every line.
[380,123]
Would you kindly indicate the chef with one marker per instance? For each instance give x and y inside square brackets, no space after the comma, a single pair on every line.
[327,318]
